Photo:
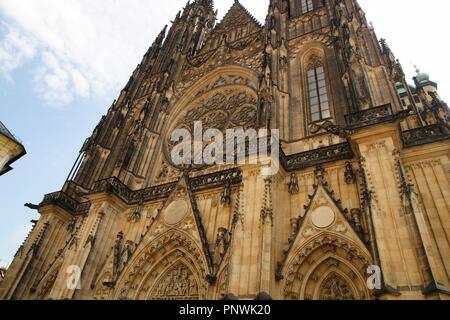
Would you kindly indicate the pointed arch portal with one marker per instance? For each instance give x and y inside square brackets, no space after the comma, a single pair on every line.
[170,267]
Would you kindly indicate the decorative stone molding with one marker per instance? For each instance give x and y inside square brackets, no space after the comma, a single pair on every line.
[316,157]
[209,181]
[370,116]
[425,135]
[60,199]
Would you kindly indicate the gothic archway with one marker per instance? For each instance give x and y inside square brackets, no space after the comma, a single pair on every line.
[328,267]
[171,267]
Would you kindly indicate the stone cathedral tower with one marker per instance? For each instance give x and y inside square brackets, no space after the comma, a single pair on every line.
[363,181]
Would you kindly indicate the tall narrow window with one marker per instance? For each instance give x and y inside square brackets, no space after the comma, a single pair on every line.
[307,6]
[317,89]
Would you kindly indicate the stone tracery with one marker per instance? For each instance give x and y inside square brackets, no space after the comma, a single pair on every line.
[229,101]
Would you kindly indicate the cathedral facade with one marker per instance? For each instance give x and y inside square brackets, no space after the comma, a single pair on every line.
[361,196]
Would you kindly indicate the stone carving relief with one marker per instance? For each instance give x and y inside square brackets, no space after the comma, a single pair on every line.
[170,266]
[349,173]
[222,243]
[226,80]
[178,283]
[166,173]
[225,199]
[224,110]
[293,186]
[335,288]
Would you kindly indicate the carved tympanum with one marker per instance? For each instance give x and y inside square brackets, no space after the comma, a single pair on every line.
[335,288]
[178,283]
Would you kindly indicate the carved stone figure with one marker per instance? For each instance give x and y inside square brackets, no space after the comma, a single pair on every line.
[164,171]
[293,184]
[226,195]
[356,218]
[71,225]
[176,284]
[221,245]
[335,288]
[117,259]
[294,229]
[349,174]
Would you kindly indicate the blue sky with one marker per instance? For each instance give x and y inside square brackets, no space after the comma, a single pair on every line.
[63,62]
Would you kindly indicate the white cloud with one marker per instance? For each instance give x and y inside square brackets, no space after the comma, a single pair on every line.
[15,50]
[53,81]
[89,48]
[85,47]
[80,82]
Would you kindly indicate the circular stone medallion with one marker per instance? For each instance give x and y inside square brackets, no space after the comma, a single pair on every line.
[323,217]
[175,212]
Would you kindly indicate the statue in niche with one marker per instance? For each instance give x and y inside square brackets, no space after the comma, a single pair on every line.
[122,255]
[136,215]
[293,185]
[359,78]
[117,262]
[283,62]
[356,218]
[319,172]
[226,195]
[137,127]
[294,229]
[165,105]
[72,224]
[127,252]
[264,107]
[164,173]
[221,245]
[349,174]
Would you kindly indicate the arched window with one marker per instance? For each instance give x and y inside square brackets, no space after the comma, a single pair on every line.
[307,6]
[319,106]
